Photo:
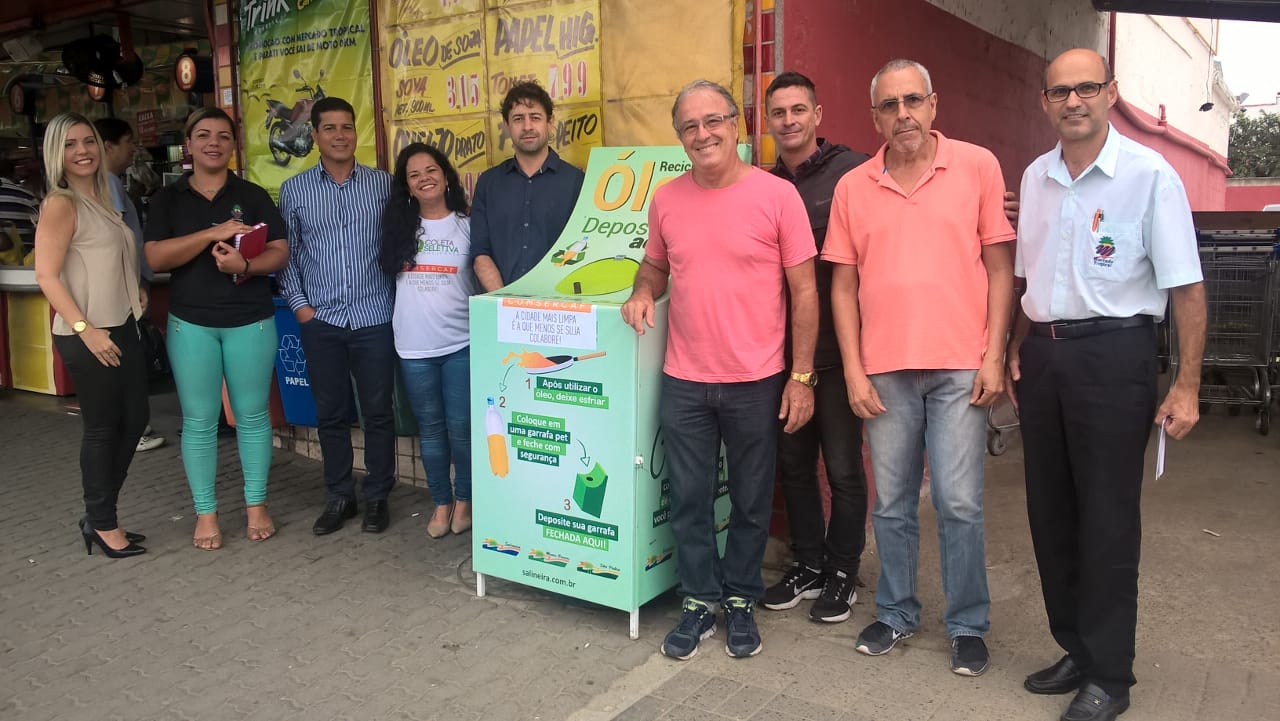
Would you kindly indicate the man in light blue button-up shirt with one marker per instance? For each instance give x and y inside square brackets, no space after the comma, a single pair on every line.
[1105,242]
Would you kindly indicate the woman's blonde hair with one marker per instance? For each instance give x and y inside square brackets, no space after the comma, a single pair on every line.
[55,138]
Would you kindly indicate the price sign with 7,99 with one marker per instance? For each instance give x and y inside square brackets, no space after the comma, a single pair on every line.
[568,80]
[463,91]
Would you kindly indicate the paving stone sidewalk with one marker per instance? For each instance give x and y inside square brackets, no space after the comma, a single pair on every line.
[361,626]
[348,626]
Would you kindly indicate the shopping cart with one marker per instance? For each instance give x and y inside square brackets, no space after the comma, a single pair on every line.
[1239,282]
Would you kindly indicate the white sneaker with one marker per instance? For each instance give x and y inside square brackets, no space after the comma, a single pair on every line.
[148,443]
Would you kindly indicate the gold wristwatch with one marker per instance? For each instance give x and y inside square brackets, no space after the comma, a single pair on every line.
[79,327]
[810,379]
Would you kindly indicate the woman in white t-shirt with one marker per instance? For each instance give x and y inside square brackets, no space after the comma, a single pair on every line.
[426,246]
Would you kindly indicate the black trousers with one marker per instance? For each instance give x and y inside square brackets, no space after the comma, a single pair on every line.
[114,411]
[335,357]
[838,545]
[1087,406]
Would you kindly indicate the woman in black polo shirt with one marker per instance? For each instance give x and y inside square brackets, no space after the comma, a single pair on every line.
[219,329]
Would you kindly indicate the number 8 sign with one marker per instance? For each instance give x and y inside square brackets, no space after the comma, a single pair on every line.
[185,73]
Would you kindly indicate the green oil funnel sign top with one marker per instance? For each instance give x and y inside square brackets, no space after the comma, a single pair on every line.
[570,489]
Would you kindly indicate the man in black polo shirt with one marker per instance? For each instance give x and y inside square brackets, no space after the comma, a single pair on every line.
[825,556]
[519,207]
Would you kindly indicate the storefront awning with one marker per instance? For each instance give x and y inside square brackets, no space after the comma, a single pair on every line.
[1265,10]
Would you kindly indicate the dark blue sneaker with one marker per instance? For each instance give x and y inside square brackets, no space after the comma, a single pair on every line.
[740,621]
[697,622]
[879,638]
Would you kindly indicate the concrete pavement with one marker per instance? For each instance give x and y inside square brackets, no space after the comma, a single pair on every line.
[359,626]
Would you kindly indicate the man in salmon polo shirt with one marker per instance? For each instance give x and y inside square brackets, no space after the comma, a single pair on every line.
[731,241]
[921,294]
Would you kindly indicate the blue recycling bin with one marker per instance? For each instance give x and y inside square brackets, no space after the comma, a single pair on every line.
[291,370]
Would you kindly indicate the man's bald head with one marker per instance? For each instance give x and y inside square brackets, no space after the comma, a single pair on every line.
[1079,58]
[1078,93]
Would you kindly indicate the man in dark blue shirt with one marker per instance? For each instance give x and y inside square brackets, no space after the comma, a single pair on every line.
[520,206]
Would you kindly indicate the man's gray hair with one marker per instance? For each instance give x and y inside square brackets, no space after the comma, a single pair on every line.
[703,85]
[901,64]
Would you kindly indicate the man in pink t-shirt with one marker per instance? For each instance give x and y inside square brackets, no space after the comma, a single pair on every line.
[735,242]
[921,295]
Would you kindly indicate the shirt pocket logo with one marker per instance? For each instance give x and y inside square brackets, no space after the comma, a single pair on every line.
[1114,249]
[1104,252]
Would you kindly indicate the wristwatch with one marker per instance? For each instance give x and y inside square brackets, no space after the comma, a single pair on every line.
[79,327]
[810,379]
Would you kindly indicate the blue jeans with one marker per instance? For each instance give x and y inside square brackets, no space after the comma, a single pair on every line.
[695,418]
[335,357]
[929,411]
[439,391]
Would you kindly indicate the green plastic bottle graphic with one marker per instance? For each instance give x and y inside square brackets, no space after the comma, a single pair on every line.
[588,490]
[498,462]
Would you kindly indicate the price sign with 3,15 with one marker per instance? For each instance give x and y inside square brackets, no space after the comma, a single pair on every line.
[463,91]
[567,80]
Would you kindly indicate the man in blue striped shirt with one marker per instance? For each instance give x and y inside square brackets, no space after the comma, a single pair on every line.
[343,301]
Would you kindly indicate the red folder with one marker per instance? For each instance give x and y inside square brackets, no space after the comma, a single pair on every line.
[251,245]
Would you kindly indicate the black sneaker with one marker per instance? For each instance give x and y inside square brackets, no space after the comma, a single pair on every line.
[697,622]
[835,602]
[879,638]
[969,655]
[742,636]
[801,582]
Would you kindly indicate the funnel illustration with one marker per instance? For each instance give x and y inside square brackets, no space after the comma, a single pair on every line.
[534,363]
[600,277]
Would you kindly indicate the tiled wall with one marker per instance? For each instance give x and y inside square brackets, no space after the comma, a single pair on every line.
[304,441]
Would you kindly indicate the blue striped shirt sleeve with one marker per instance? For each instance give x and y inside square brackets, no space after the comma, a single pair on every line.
[290,279]
[334,237]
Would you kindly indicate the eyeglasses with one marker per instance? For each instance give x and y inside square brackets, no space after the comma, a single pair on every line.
[890,106]
[711,123]
[1059,93]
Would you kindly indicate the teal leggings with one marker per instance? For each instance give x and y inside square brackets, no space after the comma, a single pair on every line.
[201,358]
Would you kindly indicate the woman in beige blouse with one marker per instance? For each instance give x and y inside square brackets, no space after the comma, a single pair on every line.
[87,266]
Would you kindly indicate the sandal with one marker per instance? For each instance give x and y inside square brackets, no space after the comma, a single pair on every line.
[211,542]
[260,533]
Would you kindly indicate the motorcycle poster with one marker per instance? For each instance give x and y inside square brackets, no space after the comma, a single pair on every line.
[289,59]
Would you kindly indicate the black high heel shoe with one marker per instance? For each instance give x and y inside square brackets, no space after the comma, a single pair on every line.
[92,538]
[129,536]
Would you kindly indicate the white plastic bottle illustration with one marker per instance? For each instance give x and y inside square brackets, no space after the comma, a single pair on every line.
[493,428]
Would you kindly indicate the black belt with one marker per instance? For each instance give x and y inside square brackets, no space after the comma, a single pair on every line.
[1067,329]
